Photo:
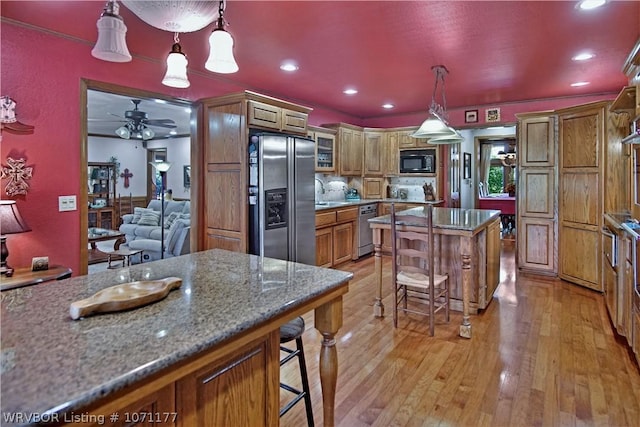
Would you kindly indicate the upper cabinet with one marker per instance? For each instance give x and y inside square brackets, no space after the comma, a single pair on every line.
[326,159]
[375,147]
[350,143]
[267,115]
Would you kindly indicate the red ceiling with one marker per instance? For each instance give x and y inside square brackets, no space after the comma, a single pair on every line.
[496,52]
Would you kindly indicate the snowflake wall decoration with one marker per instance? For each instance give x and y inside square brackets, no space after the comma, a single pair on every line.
[17,173]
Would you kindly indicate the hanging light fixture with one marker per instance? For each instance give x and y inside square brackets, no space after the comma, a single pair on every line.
[508,158]
[124,132]
[147,133]
[112,44]
[221,58]
[176,75]
[435,127]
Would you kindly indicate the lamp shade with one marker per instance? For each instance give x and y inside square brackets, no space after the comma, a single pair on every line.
[182,16]
[454,138]
[161,166]
[123,132]
[176,75]
[11,221]
[221,58]
[112,44]
[147,134]
[432,127]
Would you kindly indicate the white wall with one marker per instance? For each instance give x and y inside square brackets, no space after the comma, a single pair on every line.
[133,156]
[468,186]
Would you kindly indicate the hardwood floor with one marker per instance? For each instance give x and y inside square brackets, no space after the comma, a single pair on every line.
[543,353]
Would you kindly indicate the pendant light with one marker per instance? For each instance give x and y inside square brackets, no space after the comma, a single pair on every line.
[435,127]
[176,75]
[221,58]
[112,44]
[123,132]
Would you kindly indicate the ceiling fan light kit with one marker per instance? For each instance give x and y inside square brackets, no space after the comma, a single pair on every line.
[112,44]
[176,16]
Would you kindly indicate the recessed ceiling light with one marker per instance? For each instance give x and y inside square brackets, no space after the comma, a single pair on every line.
[590,4]
[173,132]
[578,84]
[187,110]
[387,106]
[350,91]
[160,101]
[289,66]
[583,56]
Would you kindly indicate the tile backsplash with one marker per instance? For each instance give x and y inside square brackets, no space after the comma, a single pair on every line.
[412,185]
[335,186]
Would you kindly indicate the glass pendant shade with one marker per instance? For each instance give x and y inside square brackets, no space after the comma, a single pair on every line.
[123,132]
[221,58]
[147,134]
[454,138]
[433,126]
[176,75]
[112,44]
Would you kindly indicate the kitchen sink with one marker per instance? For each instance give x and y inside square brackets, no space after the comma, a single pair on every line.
[333,203]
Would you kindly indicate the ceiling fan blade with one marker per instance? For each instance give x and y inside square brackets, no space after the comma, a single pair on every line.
[165,123]
[107,120]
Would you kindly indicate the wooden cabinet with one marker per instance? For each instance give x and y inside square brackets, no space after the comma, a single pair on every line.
[237,390]
[216,388]
[271,116]
[335,236]
[223,213]
[581,143]
[373,188]
[537,201]
[392,155]
[325,148]
[351,144]
[374,149]
[102,195]
[405,140]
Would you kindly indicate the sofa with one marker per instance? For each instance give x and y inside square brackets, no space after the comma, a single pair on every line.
[142,229]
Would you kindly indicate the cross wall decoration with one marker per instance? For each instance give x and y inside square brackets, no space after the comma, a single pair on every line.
[17,173]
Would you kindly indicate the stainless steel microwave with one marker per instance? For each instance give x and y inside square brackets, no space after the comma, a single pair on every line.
[418,161]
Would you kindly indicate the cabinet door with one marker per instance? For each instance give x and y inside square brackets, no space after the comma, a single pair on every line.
[610,284]
[294,121]
[538,184]
[239,390]
[325,152]
[493,260]
[537,146]
[636,334]
[373,157]
[264,115]
[351,151]
[342,243]
[391,154]
[536,242]
[372,188]
[580,255]
[405,140]
[324,247]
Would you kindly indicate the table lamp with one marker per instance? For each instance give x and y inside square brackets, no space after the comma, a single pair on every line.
[162,168]
[10,222]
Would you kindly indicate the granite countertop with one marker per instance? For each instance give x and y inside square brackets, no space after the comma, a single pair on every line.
[52,364]
[451,218]
[332,204]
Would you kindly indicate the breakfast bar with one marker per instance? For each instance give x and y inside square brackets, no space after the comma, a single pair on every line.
[469,240]
[206,354]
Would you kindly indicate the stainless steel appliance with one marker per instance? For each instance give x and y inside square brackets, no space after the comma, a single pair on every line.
[418,161]
[281,197]
[365,235]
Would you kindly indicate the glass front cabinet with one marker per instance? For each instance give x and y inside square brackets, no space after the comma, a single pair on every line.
[325,148]
[102,195]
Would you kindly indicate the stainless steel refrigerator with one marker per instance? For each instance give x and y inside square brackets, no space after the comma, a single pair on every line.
[282,197]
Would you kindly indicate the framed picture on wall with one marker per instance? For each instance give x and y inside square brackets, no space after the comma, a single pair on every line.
[187,176]
[471,116]
[466,168]
[493,115]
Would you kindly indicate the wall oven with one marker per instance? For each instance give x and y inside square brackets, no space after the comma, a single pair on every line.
[418,161]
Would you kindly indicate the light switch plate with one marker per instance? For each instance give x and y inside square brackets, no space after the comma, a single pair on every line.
[67,203]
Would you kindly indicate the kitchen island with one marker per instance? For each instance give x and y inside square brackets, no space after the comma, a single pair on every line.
[207,354]
[469,241]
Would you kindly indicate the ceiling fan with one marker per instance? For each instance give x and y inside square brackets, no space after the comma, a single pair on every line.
[137,123]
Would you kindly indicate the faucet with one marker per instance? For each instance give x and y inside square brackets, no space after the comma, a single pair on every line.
[321,186]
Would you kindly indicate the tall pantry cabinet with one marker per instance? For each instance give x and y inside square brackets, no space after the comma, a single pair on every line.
[561,191]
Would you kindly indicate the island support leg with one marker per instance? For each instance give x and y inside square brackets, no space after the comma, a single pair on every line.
[378,307]
[465,252]
[328,320]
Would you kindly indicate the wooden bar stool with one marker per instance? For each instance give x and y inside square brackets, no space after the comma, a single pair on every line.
[289,332]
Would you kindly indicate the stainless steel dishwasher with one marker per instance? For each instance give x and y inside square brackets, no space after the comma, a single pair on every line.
[365,235]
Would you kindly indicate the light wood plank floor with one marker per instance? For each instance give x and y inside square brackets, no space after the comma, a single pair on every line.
[542,354]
